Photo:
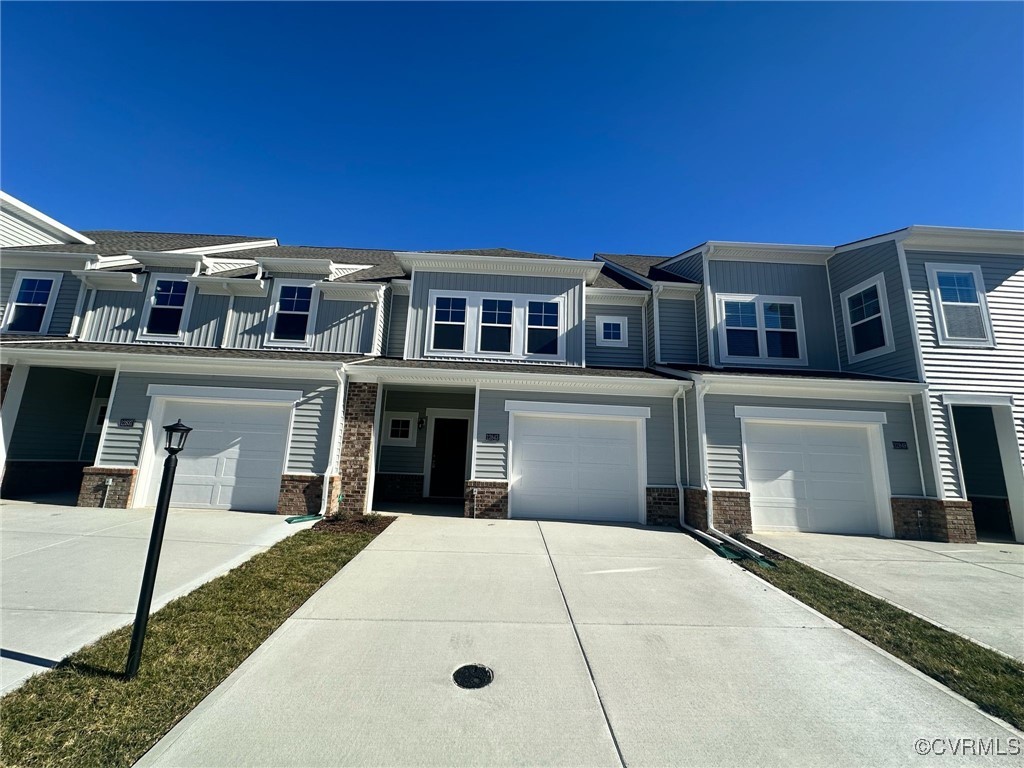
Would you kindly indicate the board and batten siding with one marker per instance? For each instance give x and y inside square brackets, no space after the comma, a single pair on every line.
[972,370]
[408,460]
[312,416]
[425,282]
[344,326]
[630,356]
[678,324]
[492,418]
[724,441]
[692,268]
[809,282]
[851,268]
[64,308]
[397,319]
[16,231]
[649,330]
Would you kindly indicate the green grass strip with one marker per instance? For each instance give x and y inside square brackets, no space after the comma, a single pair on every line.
[992,681]
[84,714]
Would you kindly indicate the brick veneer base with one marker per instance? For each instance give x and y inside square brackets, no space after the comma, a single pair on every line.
[391,486]
[939,520]
[300,495]
[695,508]
[490,499]
[333,495]
[663,506]
[732,510]
[118,493]
[356,447]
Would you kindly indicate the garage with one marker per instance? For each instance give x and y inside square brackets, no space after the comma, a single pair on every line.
[811,477]
[234,456]
[576,467]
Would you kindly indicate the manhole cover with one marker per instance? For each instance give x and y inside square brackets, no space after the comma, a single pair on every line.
[473,676]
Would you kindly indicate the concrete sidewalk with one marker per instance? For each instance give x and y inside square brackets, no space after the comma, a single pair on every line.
[72,574]
[976,590]
[610,646]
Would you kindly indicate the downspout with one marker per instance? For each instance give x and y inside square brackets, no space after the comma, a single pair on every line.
[338,426]
[679,480]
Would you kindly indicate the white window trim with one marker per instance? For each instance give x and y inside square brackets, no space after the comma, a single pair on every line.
[91,426]
[599,322]
[471,339]
[405,442]
[148,305]
[878,282]
[763,359]
[51,300]
[275,303]
[941,337]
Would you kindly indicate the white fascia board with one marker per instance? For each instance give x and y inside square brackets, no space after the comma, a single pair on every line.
[779,386]
[110,281]
[677,290]
[617,296]
[205,250]
[401,287]
[46,259]
[577,409]
[43,221]
[769,252]
[229,286]
[966,398]
[686,254]
[962,240]
[350,291]
[229,394]
[166,259]
[508,265]
[320,267]
[789,415]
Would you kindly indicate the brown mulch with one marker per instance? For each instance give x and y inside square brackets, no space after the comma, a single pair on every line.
[357,524]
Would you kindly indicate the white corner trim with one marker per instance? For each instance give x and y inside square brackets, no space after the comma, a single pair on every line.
[600,320]
[878,282]
[964,398]
[227,394]
[820,415]
[655,301]
[406,442]
[577,409]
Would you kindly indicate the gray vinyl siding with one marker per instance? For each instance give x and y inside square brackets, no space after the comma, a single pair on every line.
[649,330]
[344,326]
[850,268]
[248,326]
[631,356]
[52,417]
[114,316]
[425,282]
[807,281]
[973,370]
[700,307]
[204,326]
[397,319]
[725,454]
[692,267]
[691,437]
[492,458]
[312,417]
[16,231]
[63,309]
[921,416]
[678,324]
[409,459]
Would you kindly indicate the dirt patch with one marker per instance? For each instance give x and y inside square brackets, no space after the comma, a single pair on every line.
[358,524]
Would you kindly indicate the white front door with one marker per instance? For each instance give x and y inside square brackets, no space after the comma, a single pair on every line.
[810,478]
[233,458]
[575,468]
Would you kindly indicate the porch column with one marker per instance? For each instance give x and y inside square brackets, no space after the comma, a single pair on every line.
[357,446]
[14,378]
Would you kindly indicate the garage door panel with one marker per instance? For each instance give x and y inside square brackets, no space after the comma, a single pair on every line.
[783,488]
[607,479]
[838,464]
[841,491]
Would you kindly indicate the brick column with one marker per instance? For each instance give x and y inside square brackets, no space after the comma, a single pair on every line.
[731,511]
[117,494]
[663,506]
[695,508]
[300,495]
[356,448]
[487,499]
[933,520]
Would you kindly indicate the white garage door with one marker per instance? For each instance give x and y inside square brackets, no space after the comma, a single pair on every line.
[810,478]
[233,458]
[575,469]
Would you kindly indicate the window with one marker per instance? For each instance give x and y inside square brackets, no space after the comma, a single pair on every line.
[611,331]
[542,328]
[166,307]
[450,323]
[959,304]
[400,428]
[757,329]
[31,302]
[496,325]
[291,316]
[97,415]
[866,319]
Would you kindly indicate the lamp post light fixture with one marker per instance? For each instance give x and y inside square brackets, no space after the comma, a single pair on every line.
[177,434]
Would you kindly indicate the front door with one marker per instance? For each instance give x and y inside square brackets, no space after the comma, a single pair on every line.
[448,458]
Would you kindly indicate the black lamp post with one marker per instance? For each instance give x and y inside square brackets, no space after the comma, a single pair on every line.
[176,435]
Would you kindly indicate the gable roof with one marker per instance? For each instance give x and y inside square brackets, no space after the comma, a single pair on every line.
[647,267]
[508,253]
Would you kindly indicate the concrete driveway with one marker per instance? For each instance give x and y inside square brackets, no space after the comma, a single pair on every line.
[72,574]
[976,590]
[610,646]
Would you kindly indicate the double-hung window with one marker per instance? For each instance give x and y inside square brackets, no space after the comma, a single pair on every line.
[496,326]
[166,308]
[31,303]
[959,305]
[542,328]
[866,319]
[291,319]
[761,329]
[450,323]
[611,331]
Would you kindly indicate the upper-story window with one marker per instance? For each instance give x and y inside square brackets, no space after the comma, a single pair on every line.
[761,329]
[166,308]
[611,331]
[959,305]
[866,320]
[492,325]
[31,303]
[291,314]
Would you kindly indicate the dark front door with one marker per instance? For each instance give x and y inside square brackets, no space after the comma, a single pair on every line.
[448,458]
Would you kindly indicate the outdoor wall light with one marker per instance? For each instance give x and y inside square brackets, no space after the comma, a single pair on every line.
[422,423]
[177,434]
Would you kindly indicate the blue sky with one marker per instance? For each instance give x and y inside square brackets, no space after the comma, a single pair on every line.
[566,129]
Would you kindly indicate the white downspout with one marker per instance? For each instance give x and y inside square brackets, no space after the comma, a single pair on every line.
[679,480]
[338,426]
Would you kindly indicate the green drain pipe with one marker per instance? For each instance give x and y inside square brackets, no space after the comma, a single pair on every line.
[302,518]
